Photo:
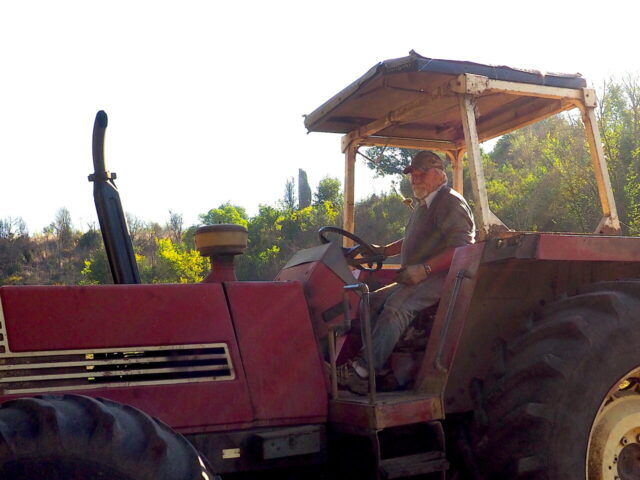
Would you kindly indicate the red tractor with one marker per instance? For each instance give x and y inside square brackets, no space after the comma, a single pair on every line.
[531,368]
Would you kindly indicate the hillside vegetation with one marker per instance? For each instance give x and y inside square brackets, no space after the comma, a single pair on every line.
[538,179]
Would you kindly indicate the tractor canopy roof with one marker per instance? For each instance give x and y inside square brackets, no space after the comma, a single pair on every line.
[418,98]
[451,106]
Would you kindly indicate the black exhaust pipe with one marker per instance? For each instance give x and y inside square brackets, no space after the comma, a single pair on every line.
[113,224]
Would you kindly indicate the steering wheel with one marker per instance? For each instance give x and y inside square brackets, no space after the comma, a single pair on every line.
[368,255]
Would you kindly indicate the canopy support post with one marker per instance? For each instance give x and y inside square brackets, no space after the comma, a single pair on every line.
[349,211]
[610,224]
[487,222]
[455,157]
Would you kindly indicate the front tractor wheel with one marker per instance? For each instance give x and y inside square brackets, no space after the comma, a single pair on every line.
[73,437]
[563,402]
[614,444]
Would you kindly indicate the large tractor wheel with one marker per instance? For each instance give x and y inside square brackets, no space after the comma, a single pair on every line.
[564,404]
[73,437]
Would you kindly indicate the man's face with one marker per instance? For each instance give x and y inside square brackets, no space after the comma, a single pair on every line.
[423,182]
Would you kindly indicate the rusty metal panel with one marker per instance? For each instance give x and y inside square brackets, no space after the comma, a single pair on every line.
[563,247]
[506,296]
[323,273]
[290,442]
[283,367]
[242,450]
[588,248]
[450,319]
[522,245]
[393,411]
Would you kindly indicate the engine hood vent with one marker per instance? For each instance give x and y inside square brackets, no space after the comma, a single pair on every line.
[36,372]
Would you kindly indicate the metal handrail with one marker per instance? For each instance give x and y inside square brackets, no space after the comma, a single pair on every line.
[365,319]
[461,275]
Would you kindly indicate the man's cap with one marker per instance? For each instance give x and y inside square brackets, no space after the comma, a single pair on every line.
[424,160]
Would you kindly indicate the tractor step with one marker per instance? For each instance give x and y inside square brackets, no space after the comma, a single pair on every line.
[410,465]
[390,410]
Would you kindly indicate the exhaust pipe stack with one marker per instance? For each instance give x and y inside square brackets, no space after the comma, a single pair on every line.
[113,225]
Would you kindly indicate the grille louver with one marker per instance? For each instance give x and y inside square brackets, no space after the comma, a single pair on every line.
[75,370]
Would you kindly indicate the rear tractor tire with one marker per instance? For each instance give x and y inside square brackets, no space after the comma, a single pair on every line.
[73,437]
[565,401]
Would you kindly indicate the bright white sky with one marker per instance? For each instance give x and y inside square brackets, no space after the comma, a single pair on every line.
[205,98]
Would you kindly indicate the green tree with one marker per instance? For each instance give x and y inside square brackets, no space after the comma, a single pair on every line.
[261,261]
[540,178]
[388,160]
[226,213]
[298,228]
[329,190]
[16,251]
[96,270]
[62,228]
[175,226]
[304,190]
[177,264]
[619,122]
[289,198]
[381,218]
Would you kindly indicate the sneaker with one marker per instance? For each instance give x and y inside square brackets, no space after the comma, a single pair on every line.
[349,379]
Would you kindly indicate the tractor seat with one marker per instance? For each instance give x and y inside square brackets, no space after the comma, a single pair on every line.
[415,337]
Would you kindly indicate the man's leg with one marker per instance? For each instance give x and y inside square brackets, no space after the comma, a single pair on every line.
[400,308]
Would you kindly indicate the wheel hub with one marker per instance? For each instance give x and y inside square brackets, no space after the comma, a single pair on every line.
[629,462]
[614,445]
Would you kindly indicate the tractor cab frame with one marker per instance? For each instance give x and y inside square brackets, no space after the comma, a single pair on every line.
[451,107]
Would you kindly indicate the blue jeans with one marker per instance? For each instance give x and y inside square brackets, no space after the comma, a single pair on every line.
[393,308]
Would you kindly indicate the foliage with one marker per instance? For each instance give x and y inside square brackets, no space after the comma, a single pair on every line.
[329,190]
[96,270]
[289,198]
[225,213]
[174,225]
[177,264]
[537,178]
[381,218]
[619,122]
[540,178]
[388,161]
[12,227]
[274,235]
[304,190]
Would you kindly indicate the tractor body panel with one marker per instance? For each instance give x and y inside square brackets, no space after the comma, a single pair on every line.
[48,318]
[279,353]
[150,346]
[323,272]
[515,276]
[177,352]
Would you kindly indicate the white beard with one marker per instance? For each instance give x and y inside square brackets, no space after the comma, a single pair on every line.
[420,191]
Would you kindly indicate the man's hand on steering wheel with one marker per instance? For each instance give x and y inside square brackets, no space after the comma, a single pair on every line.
[361,254]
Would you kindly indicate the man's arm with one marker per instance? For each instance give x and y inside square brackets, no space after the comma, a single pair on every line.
[412,274]
[456,222]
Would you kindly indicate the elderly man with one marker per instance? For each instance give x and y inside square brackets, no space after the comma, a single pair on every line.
[440,222]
